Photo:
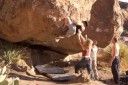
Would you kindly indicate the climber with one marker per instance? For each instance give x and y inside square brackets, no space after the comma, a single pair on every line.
[85,62]
[72,27]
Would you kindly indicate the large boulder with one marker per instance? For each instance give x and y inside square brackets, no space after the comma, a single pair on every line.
[37,21]
[106,21]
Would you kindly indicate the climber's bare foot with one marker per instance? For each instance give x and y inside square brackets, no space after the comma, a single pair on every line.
[60,37]
[57,39]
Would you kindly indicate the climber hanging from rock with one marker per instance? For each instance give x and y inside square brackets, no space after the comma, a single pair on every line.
[71,28]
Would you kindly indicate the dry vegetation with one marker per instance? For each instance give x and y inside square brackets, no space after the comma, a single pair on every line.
[10,53]
[106,55]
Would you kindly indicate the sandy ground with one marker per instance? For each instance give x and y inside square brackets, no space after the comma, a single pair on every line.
[42,80]
[39,79]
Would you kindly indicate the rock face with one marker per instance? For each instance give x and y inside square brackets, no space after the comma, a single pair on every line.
[37,21]
[105,21]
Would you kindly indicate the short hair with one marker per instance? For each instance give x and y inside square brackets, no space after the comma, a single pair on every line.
[88,43]
[78,27]
[85,23]
[115,39]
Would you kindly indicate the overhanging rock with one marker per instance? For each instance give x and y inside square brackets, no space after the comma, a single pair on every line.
[36,21]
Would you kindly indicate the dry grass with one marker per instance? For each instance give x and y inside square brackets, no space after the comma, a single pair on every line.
[10,53]
[123,54]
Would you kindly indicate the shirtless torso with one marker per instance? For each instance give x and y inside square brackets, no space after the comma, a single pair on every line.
[115,50]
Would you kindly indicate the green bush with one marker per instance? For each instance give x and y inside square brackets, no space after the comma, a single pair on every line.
[10,52]
[11,56]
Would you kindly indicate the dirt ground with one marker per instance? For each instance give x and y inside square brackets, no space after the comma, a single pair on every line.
[42,80]
[46,56]
[38,79]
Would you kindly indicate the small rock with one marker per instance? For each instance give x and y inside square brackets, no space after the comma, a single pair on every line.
[20,65]
[31,71]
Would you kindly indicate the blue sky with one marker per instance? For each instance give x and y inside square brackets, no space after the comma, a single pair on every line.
[124,0]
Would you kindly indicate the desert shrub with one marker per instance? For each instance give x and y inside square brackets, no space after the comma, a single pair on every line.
[107,52]
[123,51]
[11,56]
[123,54]
[9,52]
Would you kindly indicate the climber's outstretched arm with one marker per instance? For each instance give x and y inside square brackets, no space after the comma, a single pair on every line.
[81,40]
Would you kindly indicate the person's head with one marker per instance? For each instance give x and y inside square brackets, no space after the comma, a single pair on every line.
[94,42]
[88,44]
[78,27]
[114,40]
[85,23]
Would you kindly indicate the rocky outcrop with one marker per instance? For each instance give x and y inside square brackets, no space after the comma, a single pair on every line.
[37,21]
[106,21]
